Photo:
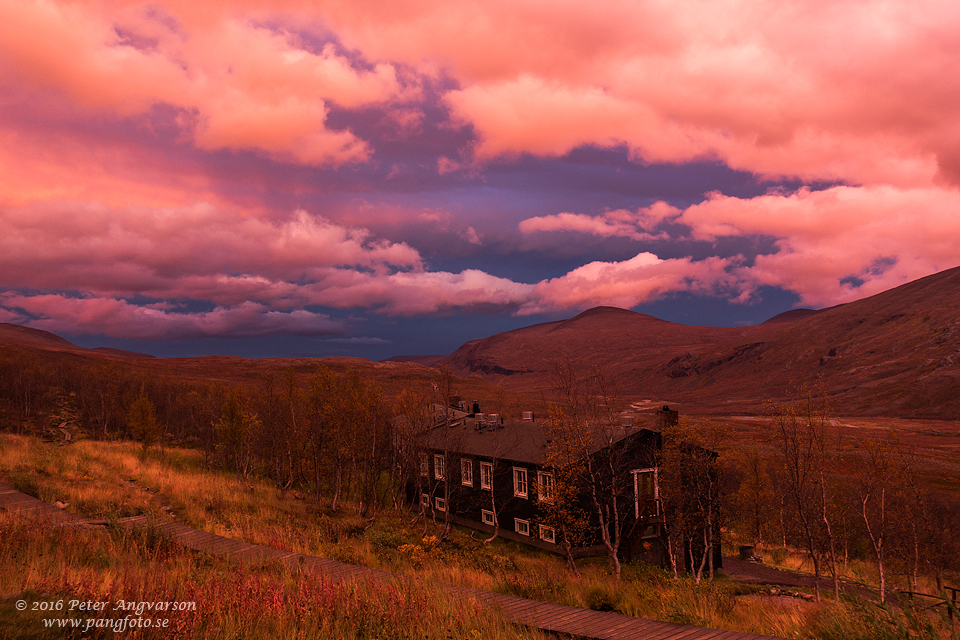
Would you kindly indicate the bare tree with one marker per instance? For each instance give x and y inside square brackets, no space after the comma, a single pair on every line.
[413,420]
[879,484]
[591,407]
[236,430]
[807,447]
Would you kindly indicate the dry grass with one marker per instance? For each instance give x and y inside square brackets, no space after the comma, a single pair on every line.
[49,565]
[110,479]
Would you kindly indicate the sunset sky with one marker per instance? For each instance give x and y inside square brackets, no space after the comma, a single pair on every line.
[369,178]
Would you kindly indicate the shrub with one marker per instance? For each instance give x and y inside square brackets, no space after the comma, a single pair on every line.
[602,598]
[778,555]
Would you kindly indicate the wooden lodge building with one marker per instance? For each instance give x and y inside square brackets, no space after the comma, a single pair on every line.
[478,470]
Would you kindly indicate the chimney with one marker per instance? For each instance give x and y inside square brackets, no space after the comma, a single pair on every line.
[667,418]
[476,406]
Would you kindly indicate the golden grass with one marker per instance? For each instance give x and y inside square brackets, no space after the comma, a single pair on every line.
[40,564]
[108,480]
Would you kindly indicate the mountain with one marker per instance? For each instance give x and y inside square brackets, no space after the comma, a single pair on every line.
[49,355]
[14,334]
[896,353]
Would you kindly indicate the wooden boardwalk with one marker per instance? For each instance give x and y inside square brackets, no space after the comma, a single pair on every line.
[583,623]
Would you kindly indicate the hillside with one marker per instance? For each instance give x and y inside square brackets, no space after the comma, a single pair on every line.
[896,353]
[13,334]
[392,377]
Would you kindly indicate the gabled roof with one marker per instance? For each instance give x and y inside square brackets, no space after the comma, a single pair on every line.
[517,440]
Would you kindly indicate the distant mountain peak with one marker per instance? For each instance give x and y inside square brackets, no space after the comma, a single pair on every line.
[793,314]
[27,336]
[604,312]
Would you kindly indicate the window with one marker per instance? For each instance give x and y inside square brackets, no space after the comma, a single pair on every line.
[646,493]
[424,500]
[466,472]
[521,526]
[424,465]
[486,475]
[488,517]
[440,504]
[547,534]
[519,482]
[653,531]
[545,486]
[438,461]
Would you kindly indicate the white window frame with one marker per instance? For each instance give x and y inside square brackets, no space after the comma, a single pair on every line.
[521,526]
[440,504]
[466,472]
[424,464]
[486,475]
[521,482]
[424,500]
[636,490]
[438,465]
[548,534]
[488,517]
[545,481]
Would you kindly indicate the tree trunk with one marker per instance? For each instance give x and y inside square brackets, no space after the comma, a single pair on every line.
[337,486]
[568,551]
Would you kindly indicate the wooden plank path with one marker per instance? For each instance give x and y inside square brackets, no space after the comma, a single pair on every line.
[582,623]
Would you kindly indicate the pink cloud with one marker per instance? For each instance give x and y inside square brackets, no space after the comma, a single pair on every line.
[857,93]
[117,318]
[262,275]
[247,265]
[827,236]
[195,252]
[626,284]
[843,91]
[413,293]
[56,162]
[250,87]
[852,91]
[834,245]
[620,222]
[9,315]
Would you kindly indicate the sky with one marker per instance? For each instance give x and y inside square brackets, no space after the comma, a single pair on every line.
[374,179]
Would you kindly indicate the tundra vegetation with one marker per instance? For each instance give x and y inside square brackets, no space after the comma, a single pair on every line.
[315,464]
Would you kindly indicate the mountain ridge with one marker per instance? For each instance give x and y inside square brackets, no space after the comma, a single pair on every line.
[896,353]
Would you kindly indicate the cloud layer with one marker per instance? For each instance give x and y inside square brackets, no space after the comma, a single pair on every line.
[174,169]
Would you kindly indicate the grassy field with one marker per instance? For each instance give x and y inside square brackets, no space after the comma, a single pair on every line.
[110,480]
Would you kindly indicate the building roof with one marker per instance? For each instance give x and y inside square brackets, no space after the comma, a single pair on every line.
[517,440]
